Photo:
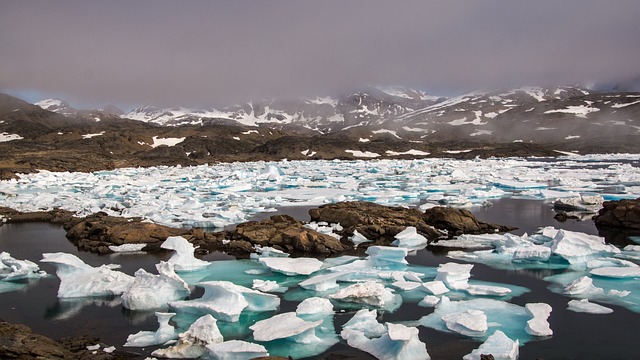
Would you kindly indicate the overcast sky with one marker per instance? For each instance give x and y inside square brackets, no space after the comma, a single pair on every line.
[216,52]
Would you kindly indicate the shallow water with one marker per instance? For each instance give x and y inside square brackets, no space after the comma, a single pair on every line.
[576,335]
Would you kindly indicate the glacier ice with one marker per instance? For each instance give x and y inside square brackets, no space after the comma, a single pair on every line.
[150,291]
[166,332]
[12,269]
[538,325]
[234,350]
[182,257]
[78,279]
[584,305]
[226,301]
[499,345]
[191,343]
[292,266]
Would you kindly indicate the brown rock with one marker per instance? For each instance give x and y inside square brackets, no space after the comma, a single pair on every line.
[620,213]
[18,342]
[460,221]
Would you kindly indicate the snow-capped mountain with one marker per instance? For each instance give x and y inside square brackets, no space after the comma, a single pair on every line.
[62,107]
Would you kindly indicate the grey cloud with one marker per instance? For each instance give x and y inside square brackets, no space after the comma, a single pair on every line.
[202,52]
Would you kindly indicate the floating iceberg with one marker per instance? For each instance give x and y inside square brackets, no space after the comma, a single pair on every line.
[409,238]
[617,272]
[578,247]
[582,286]
[455,276]
[226,300]
[391,341]
[315,306]
[234,350]
[499,346]
[13,269]
[487,290]
[585,306]
[435,287]
[292,266]
[369,293]
[429,301]
[538,325]
[78,279]
[150,291]
[285,326]
[127,248]
[386,256]
[183,258]
[266,285]
[165,333]
[358,238]
[469,322]
[323,282]
[191,344]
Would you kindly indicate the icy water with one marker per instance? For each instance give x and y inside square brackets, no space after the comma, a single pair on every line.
[576,335]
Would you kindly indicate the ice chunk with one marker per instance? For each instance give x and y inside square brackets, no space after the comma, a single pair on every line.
[78,279]
[292,266]
[183,258]
[13,269]
[532,253]
[585,306]
[369,292]
[322,282]
[164,333]
[234,350]
[469,322]
[285,325]
[315,306]
[455,276]
[538,325]
[487,290]
[429,301]
[578,247]
[358,238]
[191,344]
[268,251]
[617,272]
[406,285]
[582,286]
[409,238]
[127,247]
[150,291]
[265,285]
[364,321]
[499,345]
[386,256]
[226,300]
[435,287]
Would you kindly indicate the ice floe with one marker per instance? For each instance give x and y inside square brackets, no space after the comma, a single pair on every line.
[12,269]
[78,279]
[150,291]
[165,333]
[192,343]
[538,325]
[234,350]
[499,345]
[409,238]
[583,305]
[182,258]
[292,266]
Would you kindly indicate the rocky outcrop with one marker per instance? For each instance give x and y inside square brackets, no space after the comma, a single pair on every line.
[378,223]
[460,221]
[620,213]
[288,234]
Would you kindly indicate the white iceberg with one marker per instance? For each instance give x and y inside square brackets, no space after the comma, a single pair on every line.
[292,266]
[165,333]
[578,248]
[487,290]
[191,344]
[582,286]
[78,279]
[386,256]
[226,301]
[182,257]
[150,291]
[369,293]
[429,301]
[409,238]
[13,269]
[358,238]
[265,285]
[617,272]
[234,350]
[315,306]
[286,326]
[499,345]
[127,248]
[538,325]
[323,282]
[469,322]
[455,276]
[585,306]
[365,322]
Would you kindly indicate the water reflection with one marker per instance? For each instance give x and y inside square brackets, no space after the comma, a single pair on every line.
[65,309]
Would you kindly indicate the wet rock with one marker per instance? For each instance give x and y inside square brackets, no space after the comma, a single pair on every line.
[378,223]
[285,232]
[460,221]
[620,213]
[18,342]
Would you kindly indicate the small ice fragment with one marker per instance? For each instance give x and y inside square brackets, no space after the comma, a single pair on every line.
[234,349]
[538,325]
[370,293]
[358,238]
[429,301]
[126,247]
[109,349]
[617,272]
[322,282]
[292,266]
[585,306]
[93,347]
[13,269]
[499,345]
[409,238]
[406,285]
[470,322]
[314,306]
[455,276]
[285,326]
[578,247]
[385,256]
[487,290]
[183,258]
[436,287]
[192,343]
[265,285]
[582,286]
[150,291]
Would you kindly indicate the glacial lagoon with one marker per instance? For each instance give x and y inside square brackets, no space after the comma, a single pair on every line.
[575,335]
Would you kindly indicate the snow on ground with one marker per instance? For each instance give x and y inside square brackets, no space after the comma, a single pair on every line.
[89,136]
[158,141]
[386,131]
[362,154]
[4,137]
[579,111]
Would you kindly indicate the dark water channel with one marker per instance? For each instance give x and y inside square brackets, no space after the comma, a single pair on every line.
[576,335]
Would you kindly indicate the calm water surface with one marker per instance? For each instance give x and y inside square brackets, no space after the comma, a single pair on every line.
[577,335]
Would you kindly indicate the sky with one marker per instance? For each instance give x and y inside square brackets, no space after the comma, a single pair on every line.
[207,53]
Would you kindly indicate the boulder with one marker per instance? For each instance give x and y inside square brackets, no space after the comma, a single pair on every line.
[460,221]
[619,213]
[378,223]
